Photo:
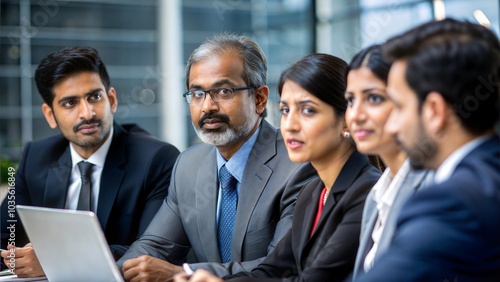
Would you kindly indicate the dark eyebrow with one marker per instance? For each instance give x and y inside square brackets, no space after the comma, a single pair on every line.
[303,102]
[366,91]
[95,91]
[373,89]
[69,98]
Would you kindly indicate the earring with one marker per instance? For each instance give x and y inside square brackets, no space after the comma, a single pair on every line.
[347,134]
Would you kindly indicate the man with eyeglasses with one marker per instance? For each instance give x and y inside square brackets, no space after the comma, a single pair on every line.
[231,197]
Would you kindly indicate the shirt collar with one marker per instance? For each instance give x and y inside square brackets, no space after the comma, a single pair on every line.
[98,157]
[387,188]
[447,168]
[236,164]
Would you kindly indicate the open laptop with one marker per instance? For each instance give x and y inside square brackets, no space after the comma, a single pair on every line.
[70,245]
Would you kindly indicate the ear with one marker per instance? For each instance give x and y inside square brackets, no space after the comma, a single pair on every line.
[113,100]
[344,126]
[48,113]
[435,113]
[261,95]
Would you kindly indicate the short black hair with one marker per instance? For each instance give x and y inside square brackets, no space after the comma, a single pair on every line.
[458,59]
[66,62]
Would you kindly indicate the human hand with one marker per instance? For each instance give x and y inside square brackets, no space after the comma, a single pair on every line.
[23,261]
[147,268]
[199,275]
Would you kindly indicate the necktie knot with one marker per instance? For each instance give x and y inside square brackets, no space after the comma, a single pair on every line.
[85,169]
[226,179]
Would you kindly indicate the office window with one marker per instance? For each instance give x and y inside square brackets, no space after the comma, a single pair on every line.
[344,26]
[124,33]
[284,29]
[127,35]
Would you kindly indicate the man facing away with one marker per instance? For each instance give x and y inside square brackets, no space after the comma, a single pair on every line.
[119,172]
[444,82]
[227,227]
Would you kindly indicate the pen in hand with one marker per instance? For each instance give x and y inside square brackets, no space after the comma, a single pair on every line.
[187,269]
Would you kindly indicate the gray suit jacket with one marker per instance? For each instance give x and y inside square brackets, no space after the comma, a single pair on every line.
[187,219]
[414,181]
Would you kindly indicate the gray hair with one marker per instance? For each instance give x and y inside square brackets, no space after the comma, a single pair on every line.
[254,60]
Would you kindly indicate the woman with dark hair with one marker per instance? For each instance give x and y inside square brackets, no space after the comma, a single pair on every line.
[368,108]
[322,243]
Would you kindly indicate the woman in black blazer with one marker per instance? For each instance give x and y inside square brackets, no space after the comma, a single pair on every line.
[324,238]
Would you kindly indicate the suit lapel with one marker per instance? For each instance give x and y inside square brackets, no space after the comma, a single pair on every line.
[206,190]
[112,175]
[409,186]
[56,186]
[308,216]
[347,176]
[370,216]
[255,178]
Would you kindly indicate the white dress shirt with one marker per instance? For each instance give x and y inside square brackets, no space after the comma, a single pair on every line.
[384,193]
[97,159]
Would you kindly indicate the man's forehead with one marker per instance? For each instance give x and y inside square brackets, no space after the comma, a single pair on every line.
[396,79]
[78,84]
[216,71]
[398,67]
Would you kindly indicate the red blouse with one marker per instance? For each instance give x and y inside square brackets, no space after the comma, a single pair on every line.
[321,204]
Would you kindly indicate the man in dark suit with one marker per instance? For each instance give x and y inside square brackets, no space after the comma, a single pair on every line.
[444,83]
[226,79]
[128,169]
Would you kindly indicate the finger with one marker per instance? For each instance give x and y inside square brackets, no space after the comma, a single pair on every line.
[10,262]
[22,252]
[131,263]
[28,267]
[130,273]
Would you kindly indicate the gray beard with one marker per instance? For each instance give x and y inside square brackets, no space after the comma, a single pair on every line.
[229,136]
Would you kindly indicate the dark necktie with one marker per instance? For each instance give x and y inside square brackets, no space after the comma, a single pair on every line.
[228,202]
[85,199]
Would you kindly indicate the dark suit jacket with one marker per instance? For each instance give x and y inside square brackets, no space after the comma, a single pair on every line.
[187,219]
[330,253]
[134,182]
[413,182]
[450,231]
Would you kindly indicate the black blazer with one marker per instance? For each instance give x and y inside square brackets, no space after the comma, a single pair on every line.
[134,182]
[330,253]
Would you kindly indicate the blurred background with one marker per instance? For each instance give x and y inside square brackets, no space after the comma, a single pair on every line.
[145,45]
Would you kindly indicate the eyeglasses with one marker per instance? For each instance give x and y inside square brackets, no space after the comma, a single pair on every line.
[217,94]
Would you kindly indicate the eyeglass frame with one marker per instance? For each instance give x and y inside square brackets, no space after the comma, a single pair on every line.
[209,92]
